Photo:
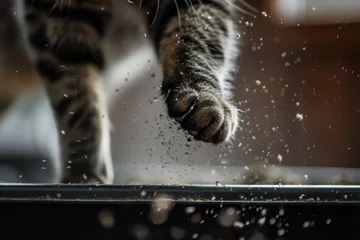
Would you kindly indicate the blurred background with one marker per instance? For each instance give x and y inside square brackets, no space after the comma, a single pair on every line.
[297,81]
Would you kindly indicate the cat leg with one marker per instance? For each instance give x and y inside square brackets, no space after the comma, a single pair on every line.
[65,40]
[197,47]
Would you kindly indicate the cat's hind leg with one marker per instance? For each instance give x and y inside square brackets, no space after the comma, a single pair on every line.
[65,41]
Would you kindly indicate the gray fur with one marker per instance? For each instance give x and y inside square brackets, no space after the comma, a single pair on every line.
[197,47]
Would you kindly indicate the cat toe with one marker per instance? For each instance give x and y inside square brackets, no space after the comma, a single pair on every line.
[203,115]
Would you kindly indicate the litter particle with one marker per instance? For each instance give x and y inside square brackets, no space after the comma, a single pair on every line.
[62,132]
[306,177]
[262,221]
[107,219]
[281,212]
[263,212]
[190,210]
[257,82]
[281,232]
[239,225]
[279,157]
[306,224]
[299,116]
[328,221]
[283,54]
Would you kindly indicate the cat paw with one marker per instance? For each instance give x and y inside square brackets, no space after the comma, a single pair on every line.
[205,115]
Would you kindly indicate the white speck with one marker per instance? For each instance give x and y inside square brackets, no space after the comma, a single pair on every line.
[263,212]
[306,224]
[279,157]
[62,132]
[328,221]
[287,64]
[107,219]
[264,14]
[246,168]
[190,210]
[313,8]
[257,82]
[299,116]
[143,193]
[283,54]
[281,232]
[262,221]
[239,225]
[195,235]
[281,212]
[306,177]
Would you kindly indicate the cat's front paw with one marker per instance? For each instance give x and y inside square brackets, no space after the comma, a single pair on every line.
[206,115]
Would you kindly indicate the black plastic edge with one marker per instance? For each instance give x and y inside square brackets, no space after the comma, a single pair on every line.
[254,194]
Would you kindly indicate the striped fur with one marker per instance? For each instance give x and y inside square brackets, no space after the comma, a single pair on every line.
[195,41]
